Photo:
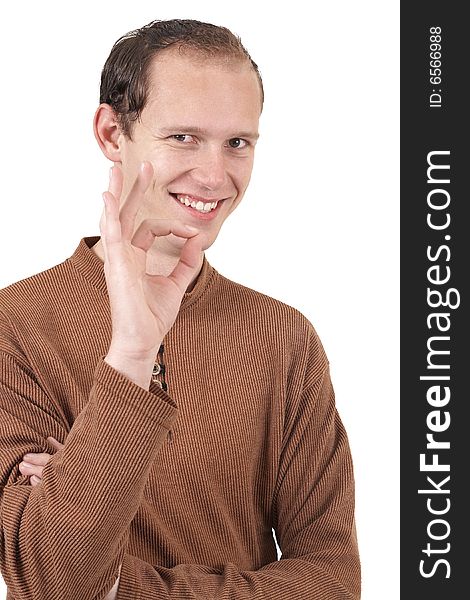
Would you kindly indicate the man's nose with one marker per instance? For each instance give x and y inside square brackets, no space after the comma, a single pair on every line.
[211,171]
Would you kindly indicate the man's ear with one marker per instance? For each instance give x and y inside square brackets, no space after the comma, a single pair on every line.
[107,132]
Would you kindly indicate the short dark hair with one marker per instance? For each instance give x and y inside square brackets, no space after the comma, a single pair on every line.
[125,75]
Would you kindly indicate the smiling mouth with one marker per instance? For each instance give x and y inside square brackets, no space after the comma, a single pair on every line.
[198,204]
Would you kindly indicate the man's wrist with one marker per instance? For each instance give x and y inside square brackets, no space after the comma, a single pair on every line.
[137,368]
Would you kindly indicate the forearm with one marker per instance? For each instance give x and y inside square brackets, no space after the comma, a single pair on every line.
[307,577]
[89,495]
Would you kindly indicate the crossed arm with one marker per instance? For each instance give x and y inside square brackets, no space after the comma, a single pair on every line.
[313,519]
[32,466]
[83,497]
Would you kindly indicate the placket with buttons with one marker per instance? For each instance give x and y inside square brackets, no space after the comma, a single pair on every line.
[158,373]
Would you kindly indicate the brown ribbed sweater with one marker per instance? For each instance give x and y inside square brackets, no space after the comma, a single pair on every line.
[181,487]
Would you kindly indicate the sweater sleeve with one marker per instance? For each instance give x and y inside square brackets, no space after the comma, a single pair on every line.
[66,538]
[313,520]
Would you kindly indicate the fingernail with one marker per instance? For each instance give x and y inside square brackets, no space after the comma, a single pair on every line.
[26,456]
[26,465]
[191,228]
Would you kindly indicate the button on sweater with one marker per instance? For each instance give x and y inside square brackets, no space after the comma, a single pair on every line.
[181,489]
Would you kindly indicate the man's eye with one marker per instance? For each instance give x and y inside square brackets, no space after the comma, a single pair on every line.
[237,143]
[182,137]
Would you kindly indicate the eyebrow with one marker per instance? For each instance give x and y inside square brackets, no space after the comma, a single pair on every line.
[195,129]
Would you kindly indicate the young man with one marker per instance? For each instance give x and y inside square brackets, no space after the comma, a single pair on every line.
[158,420]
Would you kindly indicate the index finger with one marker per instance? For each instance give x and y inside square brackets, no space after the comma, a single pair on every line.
[149,229]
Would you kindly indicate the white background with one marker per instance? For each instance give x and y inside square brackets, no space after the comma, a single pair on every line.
[318,228]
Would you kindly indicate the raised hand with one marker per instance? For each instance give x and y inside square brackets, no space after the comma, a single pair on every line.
[143,306]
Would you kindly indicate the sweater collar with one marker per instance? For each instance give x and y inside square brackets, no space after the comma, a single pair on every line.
[92,268]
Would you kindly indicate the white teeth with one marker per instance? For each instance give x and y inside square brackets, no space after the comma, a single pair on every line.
[199,206]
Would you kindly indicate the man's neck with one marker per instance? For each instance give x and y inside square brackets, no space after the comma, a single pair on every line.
[158,263]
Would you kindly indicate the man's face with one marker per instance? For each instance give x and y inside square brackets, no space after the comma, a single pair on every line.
[198,129]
